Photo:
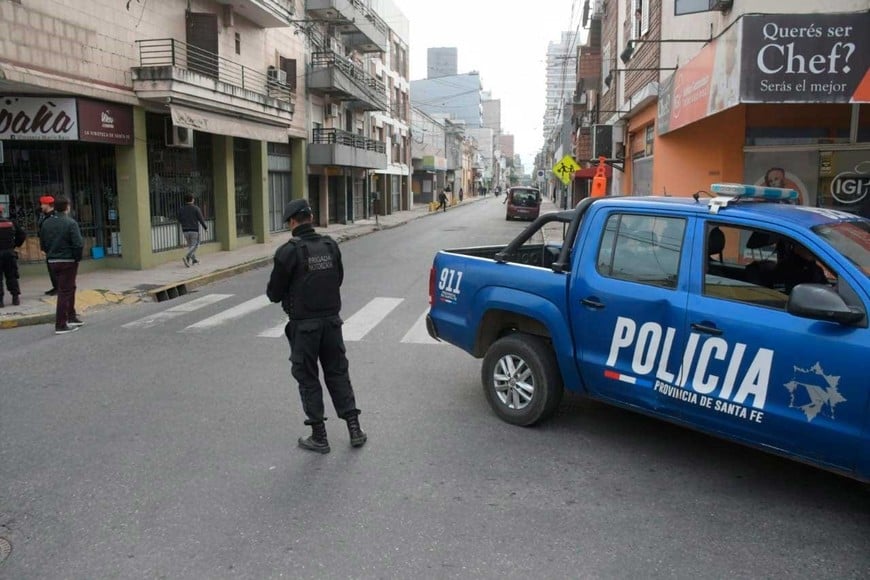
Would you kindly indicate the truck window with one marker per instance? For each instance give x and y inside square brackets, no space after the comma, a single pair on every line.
[758,266]
[642,248]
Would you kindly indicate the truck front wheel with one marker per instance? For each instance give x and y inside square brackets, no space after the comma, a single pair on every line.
[521,379]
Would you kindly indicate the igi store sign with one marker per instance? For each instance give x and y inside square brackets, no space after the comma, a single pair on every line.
[38,119]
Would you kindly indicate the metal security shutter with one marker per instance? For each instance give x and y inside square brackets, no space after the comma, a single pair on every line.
[202,40]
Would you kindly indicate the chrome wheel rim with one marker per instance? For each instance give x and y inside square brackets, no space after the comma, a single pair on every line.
[513,382]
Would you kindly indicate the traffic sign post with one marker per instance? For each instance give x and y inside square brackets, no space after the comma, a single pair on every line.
[565,169]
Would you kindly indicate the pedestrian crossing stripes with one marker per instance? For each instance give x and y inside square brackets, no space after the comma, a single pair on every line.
[175,311]
[233,313]
[359,325]
[355,328]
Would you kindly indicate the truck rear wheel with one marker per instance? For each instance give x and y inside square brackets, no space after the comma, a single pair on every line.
[521,379]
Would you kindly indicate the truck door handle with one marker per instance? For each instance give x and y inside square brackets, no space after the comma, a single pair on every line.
[592,303]
[706,329]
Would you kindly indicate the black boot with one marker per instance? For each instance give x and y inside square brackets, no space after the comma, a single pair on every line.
[357,436]
[317,440]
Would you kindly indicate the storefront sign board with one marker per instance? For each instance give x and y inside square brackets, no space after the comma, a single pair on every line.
[38,119]
[101,122]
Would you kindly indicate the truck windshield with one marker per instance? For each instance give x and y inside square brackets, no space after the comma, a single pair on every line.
[852,239]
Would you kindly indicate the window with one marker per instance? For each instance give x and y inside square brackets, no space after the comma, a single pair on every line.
[640,18]
[605,67]
[238,43]
[758,266]
[288,65]
[649,139]
[642,248]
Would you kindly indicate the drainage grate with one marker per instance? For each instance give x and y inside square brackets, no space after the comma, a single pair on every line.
[170,292]
[5,549]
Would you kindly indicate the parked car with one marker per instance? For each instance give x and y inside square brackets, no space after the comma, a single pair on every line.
[522,203]
[735,316]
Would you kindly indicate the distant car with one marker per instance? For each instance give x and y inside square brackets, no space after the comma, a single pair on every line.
[523,203]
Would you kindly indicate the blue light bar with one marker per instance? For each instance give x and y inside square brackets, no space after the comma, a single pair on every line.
[754,191]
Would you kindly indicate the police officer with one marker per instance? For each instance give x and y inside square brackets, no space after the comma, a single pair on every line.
[11,237]
[306,279]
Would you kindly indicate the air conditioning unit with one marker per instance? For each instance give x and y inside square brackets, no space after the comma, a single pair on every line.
[177,136]
[277,76]
[602,141]
[331,110]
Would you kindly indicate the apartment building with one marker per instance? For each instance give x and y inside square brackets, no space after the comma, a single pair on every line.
[127,108]
[560,78]
[760,92]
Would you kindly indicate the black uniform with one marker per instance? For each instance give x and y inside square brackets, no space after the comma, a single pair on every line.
[11,237]
[306,279]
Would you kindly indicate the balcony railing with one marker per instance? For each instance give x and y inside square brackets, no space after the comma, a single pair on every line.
[339,137]
[163,52]
[328,58]
[370,15]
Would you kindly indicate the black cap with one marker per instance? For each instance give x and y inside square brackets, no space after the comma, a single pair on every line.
[294,207]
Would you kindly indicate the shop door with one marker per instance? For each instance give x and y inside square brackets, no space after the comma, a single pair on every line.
[94,197]
[279,196]
[396,193]
[333,193]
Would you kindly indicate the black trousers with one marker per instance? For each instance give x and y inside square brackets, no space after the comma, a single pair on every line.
[51,275]
[9,271]
[313,340]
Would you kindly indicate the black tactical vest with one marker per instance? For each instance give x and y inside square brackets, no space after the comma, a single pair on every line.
[315,283]
[8,238]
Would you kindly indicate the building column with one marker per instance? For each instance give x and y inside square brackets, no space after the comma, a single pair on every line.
[260,190]
[224,191]
[299,167]
[134,203]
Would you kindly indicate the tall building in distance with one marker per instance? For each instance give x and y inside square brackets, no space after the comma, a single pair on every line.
[561,77]
[441,62]
[457,97]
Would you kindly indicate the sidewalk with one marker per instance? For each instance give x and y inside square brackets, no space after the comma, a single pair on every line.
[109,286]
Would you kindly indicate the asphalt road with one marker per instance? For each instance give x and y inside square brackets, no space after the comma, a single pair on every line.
[166,448]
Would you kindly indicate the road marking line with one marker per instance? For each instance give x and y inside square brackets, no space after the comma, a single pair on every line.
[274,332]
[238,311]
[358,325]
[170,313]
[418,333]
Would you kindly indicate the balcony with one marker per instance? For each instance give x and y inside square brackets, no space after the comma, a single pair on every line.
[263,13]
[362,28]
[344,149]
[176,72]
[342,79]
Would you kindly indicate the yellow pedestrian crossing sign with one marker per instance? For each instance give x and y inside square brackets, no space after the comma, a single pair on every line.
[565,169]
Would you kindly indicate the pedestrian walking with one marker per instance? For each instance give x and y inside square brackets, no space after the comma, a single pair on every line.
[62,243]
[190,218]
[306,279]
[442,201]
[11,237]
[461,193]
[46,204]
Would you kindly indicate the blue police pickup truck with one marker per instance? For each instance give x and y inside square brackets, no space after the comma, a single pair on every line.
[744,316]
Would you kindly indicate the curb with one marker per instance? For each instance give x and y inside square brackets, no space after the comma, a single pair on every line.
[27,320]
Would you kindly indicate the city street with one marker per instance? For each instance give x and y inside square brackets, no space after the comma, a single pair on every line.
[160,442]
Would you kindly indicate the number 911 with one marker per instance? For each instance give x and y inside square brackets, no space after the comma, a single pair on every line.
[450,280]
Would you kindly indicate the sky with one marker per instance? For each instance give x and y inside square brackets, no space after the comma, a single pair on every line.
[507,43]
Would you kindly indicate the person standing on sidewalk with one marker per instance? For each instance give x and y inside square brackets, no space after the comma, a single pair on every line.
[46,204]
[306,279]
[190,218]
[62,243]
[11,237]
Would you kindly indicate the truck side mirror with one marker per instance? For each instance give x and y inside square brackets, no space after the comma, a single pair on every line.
[820,302]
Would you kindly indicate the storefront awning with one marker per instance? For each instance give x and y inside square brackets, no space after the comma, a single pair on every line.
[589,172]
[209,122]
